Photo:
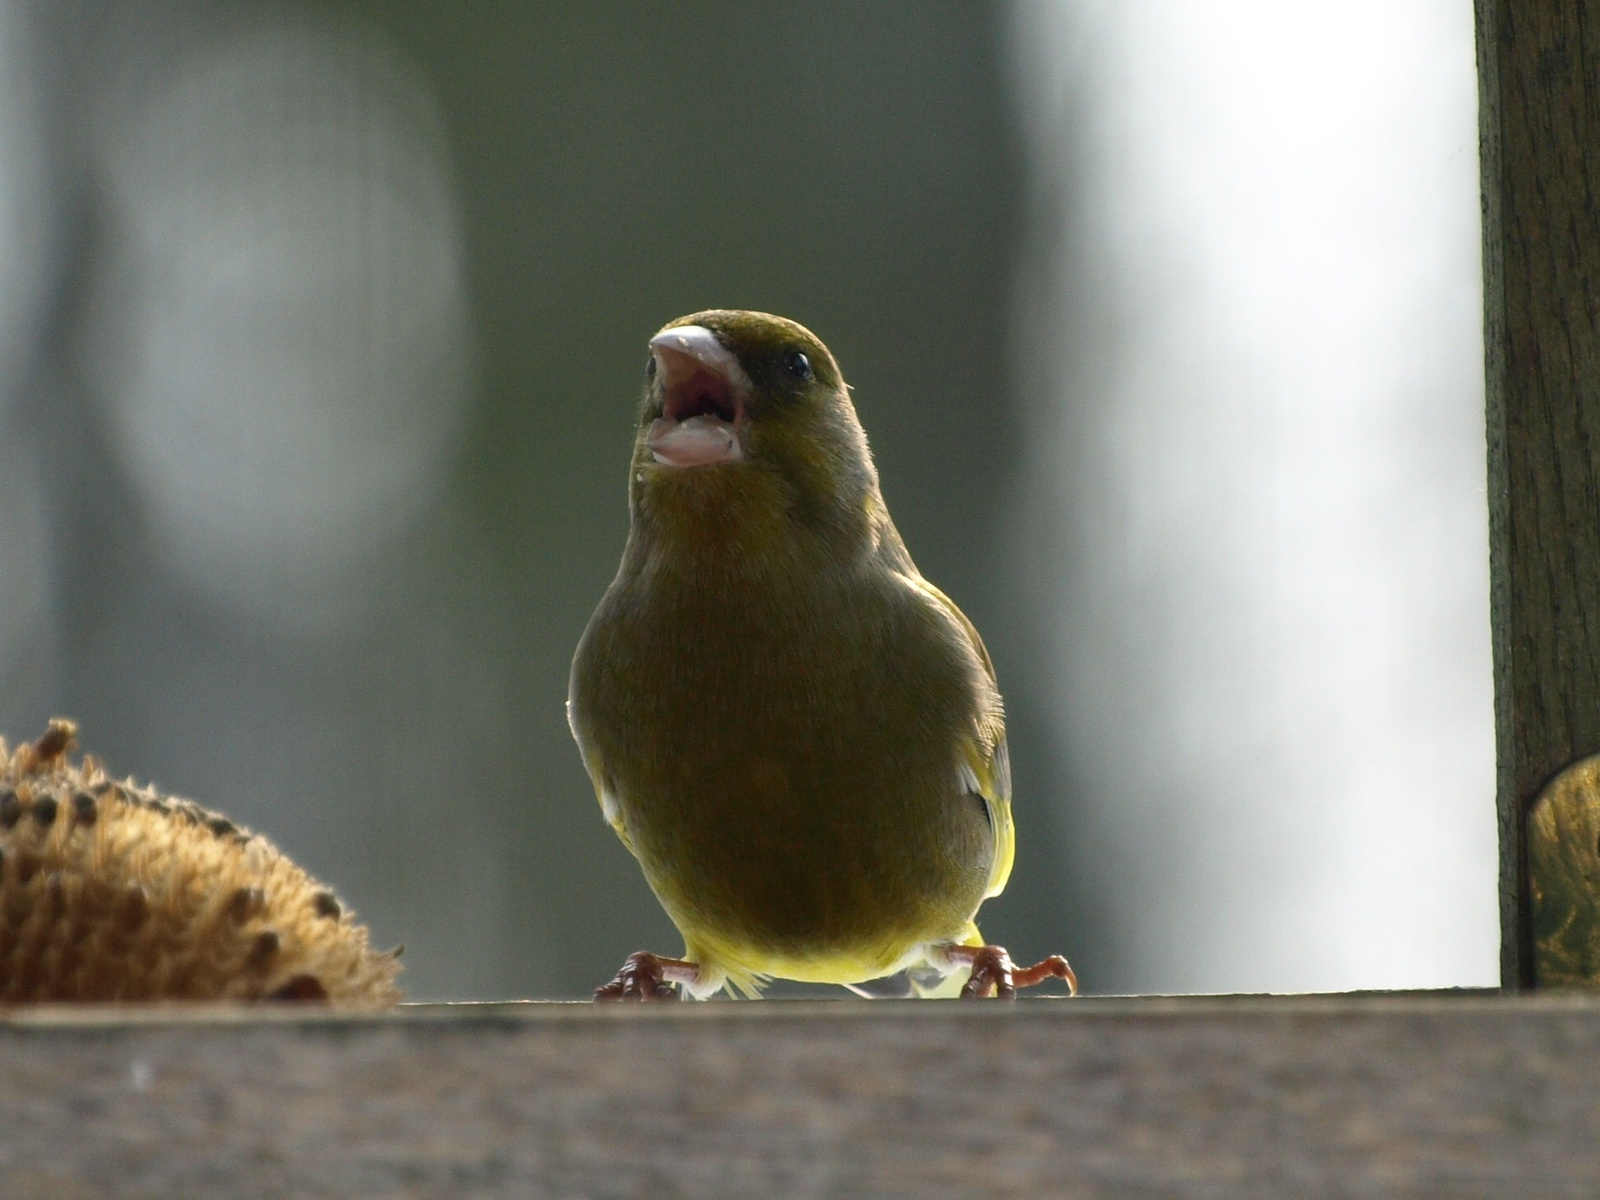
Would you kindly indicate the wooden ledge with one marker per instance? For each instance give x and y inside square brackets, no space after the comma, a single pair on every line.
[1420,1094]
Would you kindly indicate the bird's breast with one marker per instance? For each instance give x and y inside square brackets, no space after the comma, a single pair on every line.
[785,759]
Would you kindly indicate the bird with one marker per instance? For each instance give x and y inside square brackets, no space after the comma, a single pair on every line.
[799,738]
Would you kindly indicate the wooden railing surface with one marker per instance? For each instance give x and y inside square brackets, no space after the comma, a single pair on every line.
[1454,1095]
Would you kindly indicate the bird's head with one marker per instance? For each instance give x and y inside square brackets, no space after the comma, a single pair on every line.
[745,410]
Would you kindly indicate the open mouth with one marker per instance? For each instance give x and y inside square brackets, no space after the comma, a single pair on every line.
[703,389]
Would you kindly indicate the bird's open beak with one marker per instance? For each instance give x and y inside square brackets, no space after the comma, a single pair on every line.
[703,394]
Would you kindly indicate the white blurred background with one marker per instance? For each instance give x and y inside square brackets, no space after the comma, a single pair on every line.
[320,329]
[1248,324]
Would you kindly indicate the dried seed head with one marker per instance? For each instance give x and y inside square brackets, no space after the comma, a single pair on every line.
[154,898]
[246,903]
[301,987]
[27,867]
[265,948]
[60,737]
[135,908]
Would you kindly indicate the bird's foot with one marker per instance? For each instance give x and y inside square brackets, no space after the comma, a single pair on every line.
[647,976]
[993,972]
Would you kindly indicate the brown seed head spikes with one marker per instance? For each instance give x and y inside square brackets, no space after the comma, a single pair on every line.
[110,891]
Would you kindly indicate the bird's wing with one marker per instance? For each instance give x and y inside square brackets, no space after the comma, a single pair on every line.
[989,775]
[610,809]
[983,762]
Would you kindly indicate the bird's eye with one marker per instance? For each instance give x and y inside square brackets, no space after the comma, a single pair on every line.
[798,365]
[650,368]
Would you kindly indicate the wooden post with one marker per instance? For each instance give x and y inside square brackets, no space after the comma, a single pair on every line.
[1539,75]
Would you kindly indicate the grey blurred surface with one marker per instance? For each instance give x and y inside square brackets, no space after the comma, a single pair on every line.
[322,332]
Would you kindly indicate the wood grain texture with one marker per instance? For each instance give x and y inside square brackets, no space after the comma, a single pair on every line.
[1419,1096]
[1539,65]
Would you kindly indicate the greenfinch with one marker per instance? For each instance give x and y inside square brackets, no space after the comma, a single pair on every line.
[797,735]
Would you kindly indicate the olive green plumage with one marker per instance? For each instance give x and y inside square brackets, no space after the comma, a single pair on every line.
[799,737]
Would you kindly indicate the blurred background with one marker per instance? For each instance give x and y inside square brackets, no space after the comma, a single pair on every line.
[321,329]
